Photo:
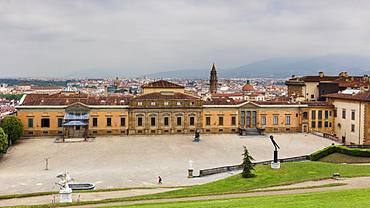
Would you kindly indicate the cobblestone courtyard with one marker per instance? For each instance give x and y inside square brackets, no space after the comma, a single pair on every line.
[133,161]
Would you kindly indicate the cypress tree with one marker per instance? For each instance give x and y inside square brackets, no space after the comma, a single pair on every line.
[247,164]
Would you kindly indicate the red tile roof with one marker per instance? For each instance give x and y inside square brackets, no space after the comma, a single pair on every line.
[67,99]
[309,103]
[227,94]
[162,84]
[221,101]
[343,81]
[361,96]
[166,96]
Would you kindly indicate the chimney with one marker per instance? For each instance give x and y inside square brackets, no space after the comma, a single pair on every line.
[321,74]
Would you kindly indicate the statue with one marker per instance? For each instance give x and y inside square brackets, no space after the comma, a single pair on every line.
[197,136]
[64,190]
[275,164]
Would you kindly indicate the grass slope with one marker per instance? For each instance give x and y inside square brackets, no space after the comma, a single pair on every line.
[358,198]
[289,173]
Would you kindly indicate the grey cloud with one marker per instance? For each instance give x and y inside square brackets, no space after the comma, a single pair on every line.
[59,37]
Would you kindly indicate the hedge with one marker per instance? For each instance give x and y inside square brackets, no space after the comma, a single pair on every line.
[339,149]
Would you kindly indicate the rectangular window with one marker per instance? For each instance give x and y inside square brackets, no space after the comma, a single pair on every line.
[353,115]
[152,121]
[276,120]
[60,122]
[123,121]
[220,121]
[166,121]
[95,122]
[335,113]
[263,120]
[319,124]
[344,113]
[45,123]
[326,114]
[319,114]
[191,121]
[109,121]
[208,121]
[313,115]
[179,121]
[313,124]
[30,122]
[139,121]
[242,118]
[287,119]
[326,124]
[305,115]
[352,128]
[233,121]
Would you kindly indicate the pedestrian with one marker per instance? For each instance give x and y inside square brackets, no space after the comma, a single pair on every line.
[159,180]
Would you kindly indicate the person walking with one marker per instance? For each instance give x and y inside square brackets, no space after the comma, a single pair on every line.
[159,180]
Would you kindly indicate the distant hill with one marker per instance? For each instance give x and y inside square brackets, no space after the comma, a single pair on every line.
[275,67]
[284,67]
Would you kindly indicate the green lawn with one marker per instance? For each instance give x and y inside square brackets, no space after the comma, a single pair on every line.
[358,198]
[266,177]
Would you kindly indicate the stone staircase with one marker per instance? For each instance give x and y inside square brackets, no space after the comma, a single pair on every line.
[250,132]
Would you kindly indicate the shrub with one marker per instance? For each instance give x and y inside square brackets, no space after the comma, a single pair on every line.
[3,141]
[357,152]
[13,127]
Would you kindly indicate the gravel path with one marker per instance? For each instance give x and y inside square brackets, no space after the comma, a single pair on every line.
[82,196]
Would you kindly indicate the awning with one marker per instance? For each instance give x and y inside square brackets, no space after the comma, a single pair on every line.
[75,123]
[69,116]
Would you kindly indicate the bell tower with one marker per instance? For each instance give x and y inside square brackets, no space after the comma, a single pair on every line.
[213,80]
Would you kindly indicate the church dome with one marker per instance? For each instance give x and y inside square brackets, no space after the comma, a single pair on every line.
[248,87]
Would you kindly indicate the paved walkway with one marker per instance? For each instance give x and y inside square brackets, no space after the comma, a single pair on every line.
[358,182]
[137,161]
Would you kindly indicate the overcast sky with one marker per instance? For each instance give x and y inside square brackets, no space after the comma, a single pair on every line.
[52,38]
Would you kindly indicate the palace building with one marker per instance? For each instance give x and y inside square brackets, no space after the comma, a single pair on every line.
[166,108]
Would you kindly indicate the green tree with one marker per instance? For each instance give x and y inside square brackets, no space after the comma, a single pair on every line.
[13,127]
[247,164]
[3,141]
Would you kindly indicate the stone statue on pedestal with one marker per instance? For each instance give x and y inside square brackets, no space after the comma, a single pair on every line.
[64,190]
